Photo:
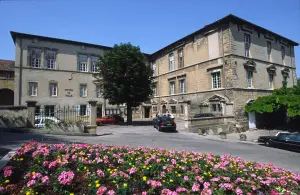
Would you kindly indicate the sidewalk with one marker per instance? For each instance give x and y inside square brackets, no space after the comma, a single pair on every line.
[252,136]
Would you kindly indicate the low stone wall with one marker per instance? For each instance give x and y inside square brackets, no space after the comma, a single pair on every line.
[212,125]
[13,116]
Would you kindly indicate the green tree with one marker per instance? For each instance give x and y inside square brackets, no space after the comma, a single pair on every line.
[125,77]
[298,81]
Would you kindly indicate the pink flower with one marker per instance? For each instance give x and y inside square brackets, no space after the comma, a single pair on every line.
[30,183]
[206,185]
[45,180]
[162,174]
[66,177]
[101,190]
[2,189]
[195,187]
[52,164]
[144,193]
[173,161]
[206,192]
[238,191]
[111,192]
[283,182]
[186,178]
[7,172]
[132,171]
[45,163]
[226,186]
[181,189]
[100,173]
[36,176]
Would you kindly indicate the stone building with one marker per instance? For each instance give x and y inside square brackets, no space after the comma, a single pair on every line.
[7,82]
[57,72]
[219,69]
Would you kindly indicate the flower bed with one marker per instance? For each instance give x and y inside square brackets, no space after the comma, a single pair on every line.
[94,169]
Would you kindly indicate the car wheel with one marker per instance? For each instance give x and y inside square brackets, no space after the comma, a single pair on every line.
[159,129]
[267,143]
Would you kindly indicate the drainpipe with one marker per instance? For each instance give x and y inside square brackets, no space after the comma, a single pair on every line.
[21,73]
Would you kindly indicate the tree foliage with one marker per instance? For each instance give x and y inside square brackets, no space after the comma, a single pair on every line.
[284,98]
[125,76]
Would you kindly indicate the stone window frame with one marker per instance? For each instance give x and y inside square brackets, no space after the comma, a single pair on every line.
[153,66]
[98,91]
[283,54]
[180,58]
[218,80]
[269,51]
[53,62]
[154,108]
[51,83]
[81,62]
[80,89]
[37,60]
[172,82]
[247,45]
[250,68]
[184,85]
[30,90]
[271,70]
[172,109]
[171,62]
[285,73]
[93,65]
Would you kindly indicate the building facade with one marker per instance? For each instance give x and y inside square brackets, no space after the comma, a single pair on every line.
[220,68]
[57,72]
[7,82]
[217,69]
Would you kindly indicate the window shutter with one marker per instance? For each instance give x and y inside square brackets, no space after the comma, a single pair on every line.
[28,57]
[78,63]
[87,111]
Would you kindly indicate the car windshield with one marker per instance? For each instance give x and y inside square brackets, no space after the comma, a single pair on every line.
[37,121]
[165,119]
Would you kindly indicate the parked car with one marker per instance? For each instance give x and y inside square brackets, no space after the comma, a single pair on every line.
[266,139]
[203,115]
[40,121]
[110,119]
[164,123]
[289,141]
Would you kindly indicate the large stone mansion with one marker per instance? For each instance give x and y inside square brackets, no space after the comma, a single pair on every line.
[217,69]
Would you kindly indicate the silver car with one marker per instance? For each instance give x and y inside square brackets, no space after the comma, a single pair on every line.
[41,120]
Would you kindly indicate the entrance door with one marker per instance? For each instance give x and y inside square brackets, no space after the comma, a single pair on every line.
[147,112]
[99,111]
[252,120]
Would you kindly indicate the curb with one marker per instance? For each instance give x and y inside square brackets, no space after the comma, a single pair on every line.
[254,142]
[8,156]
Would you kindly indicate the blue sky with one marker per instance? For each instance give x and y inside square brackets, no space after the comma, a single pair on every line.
[151,24]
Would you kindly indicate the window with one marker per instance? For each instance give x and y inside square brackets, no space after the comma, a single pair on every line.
[82,110]
[154,68]
[32,90]
[282,53]
[35,57]
[49,110]
[171,61]
[180,58]
[94,61]
[37,111]
[271,76]
[154,108]
[269,49]
[83,90]
[83,67]
[98,91]
[172,87]
[182,85]
[216,80]
[50,59]
[216,107]
[249,76]
[181,109]
[154,91]
[258,34]
[53,89]
[173,109]
[247,43]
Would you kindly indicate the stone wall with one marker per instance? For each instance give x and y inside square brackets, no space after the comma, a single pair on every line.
[13,116]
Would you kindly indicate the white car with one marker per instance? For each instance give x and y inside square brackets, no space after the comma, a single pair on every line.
[40,121]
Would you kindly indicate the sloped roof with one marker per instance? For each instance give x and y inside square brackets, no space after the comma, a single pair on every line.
[7,65]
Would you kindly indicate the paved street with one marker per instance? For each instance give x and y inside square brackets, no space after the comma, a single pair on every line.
[149,137]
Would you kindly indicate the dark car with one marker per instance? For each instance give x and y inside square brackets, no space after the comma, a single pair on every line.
[164,123]
[203,115]
[289,141]
[266,139]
